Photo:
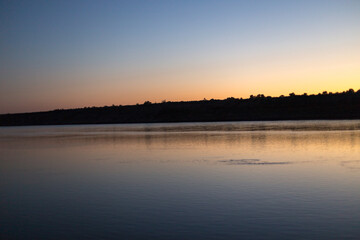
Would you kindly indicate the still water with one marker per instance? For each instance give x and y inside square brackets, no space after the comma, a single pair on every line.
[235,180]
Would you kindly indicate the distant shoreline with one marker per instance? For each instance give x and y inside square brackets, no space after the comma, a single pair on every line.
[228,121]
[325,106]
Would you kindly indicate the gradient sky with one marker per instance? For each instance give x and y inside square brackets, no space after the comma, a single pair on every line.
[65,54]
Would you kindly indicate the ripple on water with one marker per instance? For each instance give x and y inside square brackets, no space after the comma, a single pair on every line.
[250,162]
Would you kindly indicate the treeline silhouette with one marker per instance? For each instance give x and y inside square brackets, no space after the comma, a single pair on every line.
[344,105]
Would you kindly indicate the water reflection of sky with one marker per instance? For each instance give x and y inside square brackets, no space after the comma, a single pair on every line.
[208,183]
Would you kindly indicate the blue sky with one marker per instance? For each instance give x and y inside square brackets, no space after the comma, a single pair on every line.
[61,54]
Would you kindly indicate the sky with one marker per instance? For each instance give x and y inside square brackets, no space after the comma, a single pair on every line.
[69,54]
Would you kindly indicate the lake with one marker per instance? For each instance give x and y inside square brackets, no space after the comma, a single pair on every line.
[226,180]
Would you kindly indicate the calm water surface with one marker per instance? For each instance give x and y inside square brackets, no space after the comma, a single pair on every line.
[236,180]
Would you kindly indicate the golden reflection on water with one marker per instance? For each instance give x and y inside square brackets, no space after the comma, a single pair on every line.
[212,147]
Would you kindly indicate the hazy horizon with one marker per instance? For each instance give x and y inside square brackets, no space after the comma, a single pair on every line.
[73,54]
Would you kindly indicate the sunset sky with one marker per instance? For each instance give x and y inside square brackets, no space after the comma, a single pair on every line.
[66,54]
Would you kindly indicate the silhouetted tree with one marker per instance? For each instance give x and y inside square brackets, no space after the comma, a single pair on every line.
[344,105]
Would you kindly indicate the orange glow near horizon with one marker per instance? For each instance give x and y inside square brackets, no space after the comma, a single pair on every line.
[233,49]
[191,84]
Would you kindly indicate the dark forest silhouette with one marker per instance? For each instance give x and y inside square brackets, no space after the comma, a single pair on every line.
[344,105]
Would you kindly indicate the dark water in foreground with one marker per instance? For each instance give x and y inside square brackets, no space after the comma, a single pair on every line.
[238,180]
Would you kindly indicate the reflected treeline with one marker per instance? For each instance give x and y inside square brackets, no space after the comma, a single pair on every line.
[345,105]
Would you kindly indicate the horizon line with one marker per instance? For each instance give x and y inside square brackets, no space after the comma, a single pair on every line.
[146,102]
